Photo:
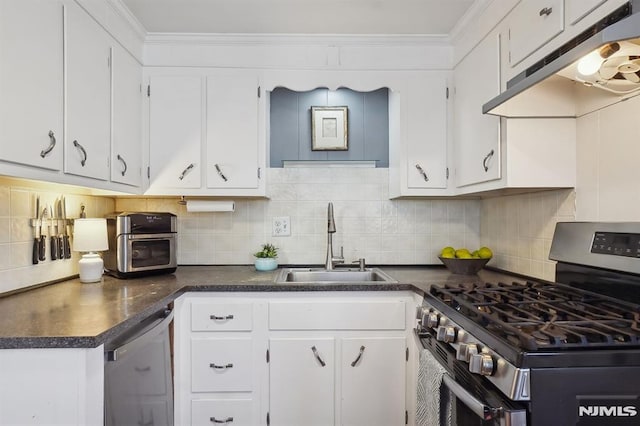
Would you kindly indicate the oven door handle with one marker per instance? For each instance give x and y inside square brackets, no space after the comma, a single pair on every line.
[479,408]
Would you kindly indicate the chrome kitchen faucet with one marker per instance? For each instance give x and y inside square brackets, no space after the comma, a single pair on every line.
[331,229]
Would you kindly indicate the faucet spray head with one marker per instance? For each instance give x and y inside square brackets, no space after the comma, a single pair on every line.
[331,225]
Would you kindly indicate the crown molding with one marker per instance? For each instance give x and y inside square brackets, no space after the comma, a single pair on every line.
[298,39]
[123,11]
[473,13]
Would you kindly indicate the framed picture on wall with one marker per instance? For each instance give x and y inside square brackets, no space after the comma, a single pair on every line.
[329,128]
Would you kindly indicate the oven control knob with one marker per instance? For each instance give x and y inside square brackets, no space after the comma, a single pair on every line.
[432,320]
[481,364]
[446,334]
[465,351]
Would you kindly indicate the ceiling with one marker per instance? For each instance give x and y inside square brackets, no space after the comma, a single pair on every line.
[359,17]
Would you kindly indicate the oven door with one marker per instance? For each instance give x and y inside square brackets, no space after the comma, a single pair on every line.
[472,400]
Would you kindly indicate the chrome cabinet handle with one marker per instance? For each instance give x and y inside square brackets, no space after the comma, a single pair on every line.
[317,355]
[486,159]
[422,172]
[221,367]
[217,318]
[52,144]
[224,178]
[227,420]
[546,11]
[355,361]
[84,153]
[185,171]
[124,163]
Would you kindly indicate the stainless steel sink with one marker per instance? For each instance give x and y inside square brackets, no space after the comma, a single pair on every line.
[344,276]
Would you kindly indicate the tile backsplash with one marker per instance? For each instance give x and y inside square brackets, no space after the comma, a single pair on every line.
[17,205]
[368,224]
[519,229]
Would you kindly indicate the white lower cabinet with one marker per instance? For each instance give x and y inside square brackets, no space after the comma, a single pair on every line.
[257,359]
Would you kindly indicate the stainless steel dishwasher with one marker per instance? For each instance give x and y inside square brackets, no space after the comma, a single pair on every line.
[138,374]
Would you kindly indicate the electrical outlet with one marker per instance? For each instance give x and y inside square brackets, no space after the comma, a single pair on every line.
[281,226]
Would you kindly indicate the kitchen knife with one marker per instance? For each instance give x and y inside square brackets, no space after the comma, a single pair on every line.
[42,243]
[36,237]
[61,226]
[65,234]
[53,233]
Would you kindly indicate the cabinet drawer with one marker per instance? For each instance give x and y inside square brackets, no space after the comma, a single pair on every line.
[221,316]
[236,412]
[221,365]
[370,315]
[532,24]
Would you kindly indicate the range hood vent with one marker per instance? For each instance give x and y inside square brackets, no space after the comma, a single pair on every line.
[553,86]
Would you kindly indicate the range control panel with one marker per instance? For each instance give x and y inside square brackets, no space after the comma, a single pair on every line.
[616,243]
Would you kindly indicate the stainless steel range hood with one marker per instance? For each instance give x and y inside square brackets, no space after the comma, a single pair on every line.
[554,88]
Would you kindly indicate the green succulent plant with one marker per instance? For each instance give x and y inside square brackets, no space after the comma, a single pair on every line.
[268,251]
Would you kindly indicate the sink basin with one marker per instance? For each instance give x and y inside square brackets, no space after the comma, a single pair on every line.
[344,276]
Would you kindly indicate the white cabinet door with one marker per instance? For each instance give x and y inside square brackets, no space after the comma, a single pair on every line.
[477,135]
[88,86]
[373,381]
[578,9]
[301,381]
[175,132]
[531,25]
[426,162]
[31,82]
[232,129]
[126,143]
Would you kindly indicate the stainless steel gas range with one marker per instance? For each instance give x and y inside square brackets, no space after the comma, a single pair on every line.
[541,353]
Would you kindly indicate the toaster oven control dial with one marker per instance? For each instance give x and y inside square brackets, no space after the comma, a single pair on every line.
[481,364]
[446,334]
[465,351]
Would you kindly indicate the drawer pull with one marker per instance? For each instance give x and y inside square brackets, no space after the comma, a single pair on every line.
[83,151]
[142,369]
[227,420]
[217,318]
[185,171]
[317,355]
[355,361]
[220,367]
[224,178]
[52,144]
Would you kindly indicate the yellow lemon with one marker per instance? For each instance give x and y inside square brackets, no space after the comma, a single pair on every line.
[485,253]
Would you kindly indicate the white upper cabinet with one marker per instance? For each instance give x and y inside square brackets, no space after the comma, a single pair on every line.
[31,82]
[232,129]
[578,9]
[88,86]
[176,108]
[477,135]
[126,140]
[203,133]
[418,135]
[532,24]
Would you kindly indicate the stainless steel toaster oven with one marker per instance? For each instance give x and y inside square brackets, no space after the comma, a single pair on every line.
[141,244]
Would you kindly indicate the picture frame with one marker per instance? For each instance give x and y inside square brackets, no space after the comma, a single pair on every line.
[329,126]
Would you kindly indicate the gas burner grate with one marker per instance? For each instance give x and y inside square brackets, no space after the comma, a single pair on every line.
[538,316]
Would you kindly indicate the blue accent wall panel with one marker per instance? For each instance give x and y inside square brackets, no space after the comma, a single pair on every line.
[368,125]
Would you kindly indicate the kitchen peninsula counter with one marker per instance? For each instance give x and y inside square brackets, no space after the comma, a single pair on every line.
[70,314]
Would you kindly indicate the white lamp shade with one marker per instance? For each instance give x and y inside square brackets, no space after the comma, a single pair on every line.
[90,235]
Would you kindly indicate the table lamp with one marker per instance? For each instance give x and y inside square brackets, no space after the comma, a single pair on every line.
[90,236]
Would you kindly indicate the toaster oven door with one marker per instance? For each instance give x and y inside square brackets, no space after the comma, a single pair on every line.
[141,252]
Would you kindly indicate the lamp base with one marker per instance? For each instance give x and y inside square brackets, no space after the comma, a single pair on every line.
[90,268]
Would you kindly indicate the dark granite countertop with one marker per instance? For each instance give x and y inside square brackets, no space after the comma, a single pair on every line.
[70,314]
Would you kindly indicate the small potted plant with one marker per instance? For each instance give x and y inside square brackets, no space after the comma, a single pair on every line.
[266,258]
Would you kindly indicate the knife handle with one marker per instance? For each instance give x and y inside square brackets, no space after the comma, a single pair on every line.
[67,247]
[54,247]
[60,247]
[34,257]
[42,244]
